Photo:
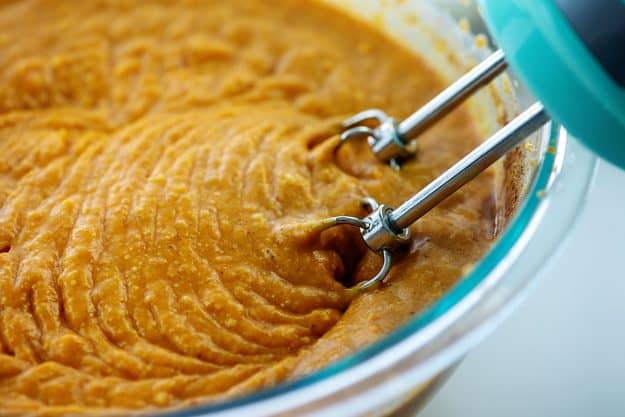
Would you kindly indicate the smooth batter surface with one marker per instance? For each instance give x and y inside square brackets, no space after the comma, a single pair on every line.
[162,168]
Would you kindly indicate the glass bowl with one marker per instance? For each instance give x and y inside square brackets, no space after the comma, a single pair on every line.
[408,365]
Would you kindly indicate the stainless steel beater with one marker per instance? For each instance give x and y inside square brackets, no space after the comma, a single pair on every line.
[385,229]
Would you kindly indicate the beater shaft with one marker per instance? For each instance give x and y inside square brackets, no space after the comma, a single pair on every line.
[452,96]
[470,166]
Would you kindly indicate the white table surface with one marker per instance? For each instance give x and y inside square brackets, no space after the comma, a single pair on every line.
[562,353]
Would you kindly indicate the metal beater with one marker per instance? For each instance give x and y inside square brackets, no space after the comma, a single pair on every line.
[386,229]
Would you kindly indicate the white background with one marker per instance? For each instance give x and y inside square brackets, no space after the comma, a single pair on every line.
[562,353]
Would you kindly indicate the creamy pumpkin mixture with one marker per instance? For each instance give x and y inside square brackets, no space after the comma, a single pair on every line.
[163,166]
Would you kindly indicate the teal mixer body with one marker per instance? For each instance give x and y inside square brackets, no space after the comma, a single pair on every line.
[571,55]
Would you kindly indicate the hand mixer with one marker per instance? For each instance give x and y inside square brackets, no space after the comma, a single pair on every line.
[580,82]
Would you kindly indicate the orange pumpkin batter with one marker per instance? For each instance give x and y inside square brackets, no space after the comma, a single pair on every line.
[161,164]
